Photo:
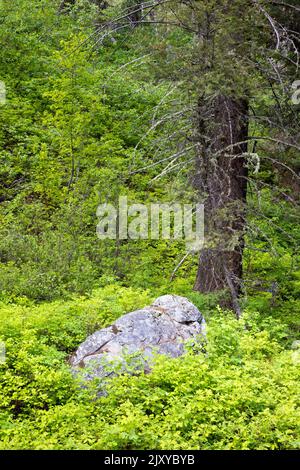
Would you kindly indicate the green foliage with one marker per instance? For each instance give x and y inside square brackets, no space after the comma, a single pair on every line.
[39,339]
[79,127]
[240,393]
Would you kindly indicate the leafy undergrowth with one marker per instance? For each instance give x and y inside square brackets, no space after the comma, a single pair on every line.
[242,392]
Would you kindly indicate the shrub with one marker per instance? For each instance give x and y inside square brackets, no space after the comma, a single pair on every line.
[241,392]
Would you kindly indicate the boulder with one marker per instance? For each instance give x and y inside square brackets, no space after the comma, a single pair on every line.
[162,328]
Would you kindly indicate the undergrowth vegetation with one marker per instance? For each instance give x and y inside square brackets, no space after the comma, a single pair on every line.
[77,130]
[240,390]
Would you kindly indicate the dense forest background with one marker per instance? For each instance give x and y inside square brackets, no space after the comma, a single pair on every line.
[162,101]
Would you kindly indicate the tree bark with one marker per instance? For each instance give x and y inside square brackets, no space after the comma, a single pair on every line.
[221,174]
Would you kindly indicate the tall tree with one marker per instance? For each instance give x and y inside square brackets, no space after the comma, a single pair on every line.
[237,65]
[222,175]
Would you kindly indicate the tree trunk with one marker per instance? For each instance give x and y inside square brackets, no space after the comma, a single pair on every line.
[222,176]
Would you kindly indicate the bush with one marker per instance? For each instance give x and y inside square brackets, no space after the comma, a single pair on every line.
[240,393]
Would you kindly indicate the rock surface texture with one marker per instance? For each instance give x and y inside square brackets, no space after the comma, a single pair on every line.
[162,327]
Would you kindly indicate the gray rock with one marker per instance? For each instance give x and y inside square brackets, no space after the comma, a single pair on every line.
[162,327]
